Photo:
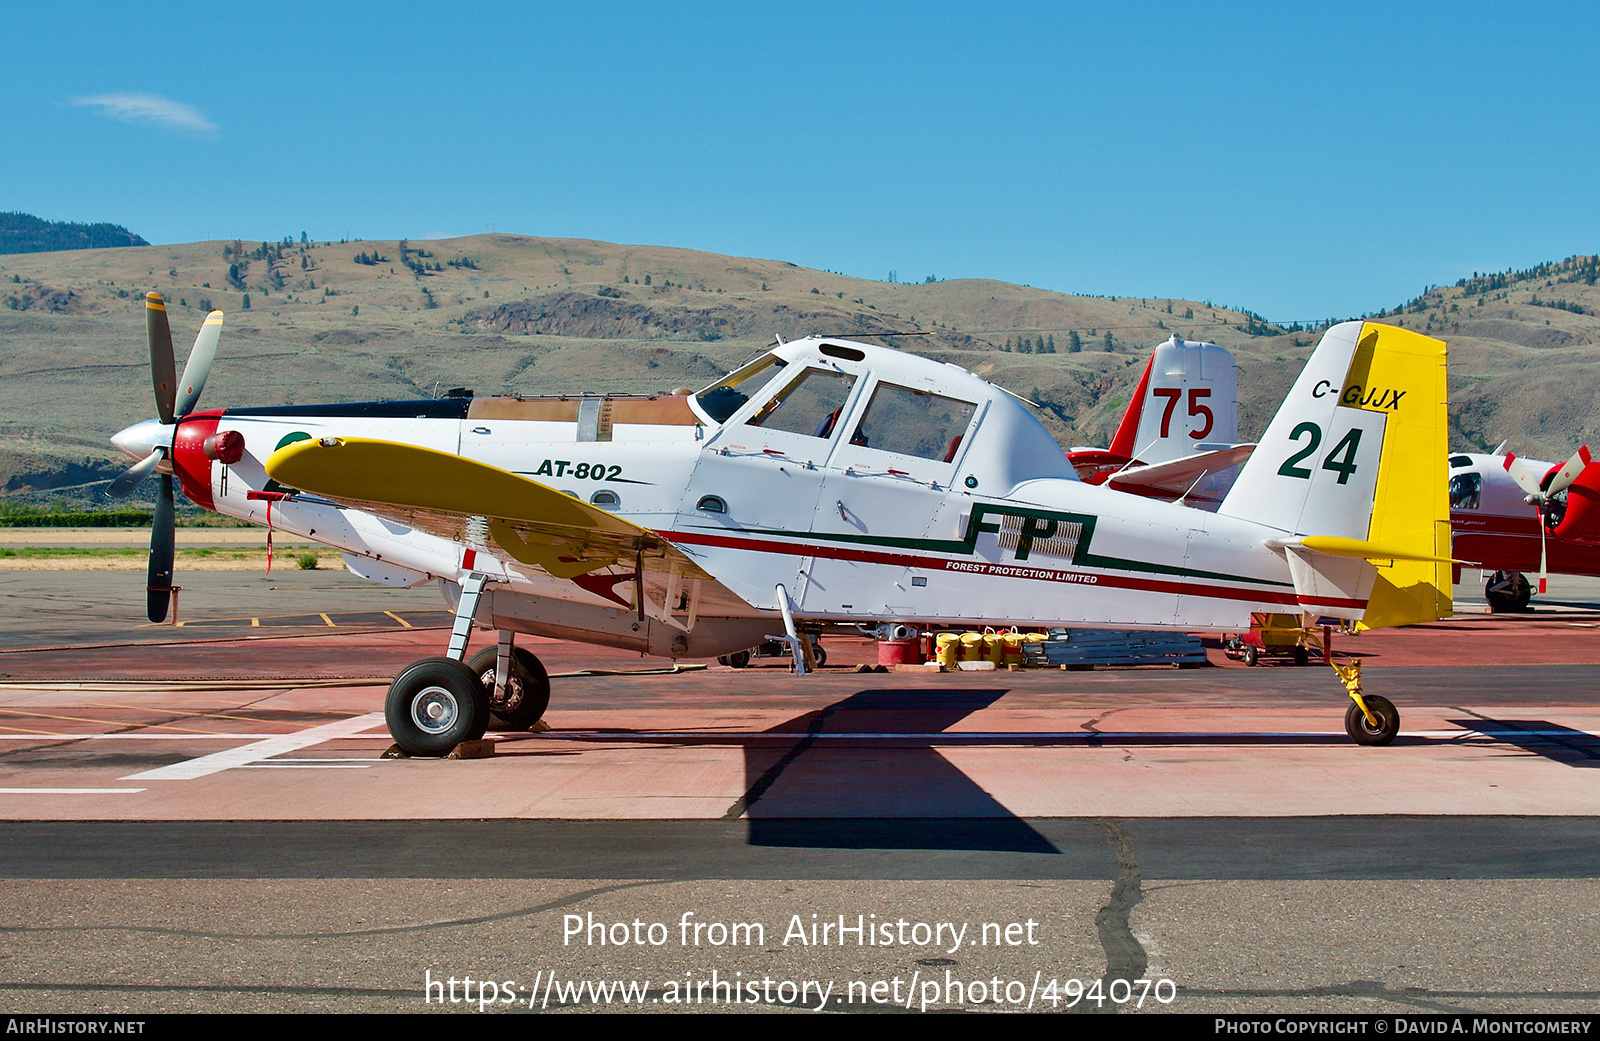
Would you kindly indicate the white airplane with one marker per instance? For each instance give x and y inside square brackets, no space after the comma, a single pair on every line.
[1178,438]
[826,482]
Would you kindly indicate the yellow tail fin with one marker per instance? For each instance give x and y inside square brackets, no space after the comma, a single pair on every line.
[1411,506]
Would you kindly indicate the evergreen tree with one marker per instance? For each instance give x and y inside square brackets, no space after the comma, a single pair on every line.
[1074,343]
[1110,346]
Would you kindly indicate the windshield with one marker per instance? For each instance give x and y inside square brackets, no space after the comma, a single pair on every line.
[723,398]
[1465,490]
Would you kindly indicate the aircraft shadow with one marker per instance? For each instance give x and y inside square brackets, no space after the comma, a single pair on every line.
[1541,737]
[889,790]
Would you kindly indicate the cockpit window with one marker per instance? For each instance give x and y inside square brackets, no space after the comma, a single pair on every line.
[1465,490]
[809,405]
[1460,460]
[724,397]
[914,422]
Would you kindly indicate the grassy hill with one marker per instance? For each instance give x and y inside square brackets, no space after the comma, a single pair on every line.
[506,313]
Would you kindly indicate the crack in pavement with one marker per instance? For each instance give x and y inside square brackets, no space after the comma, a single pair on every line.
[1126,958]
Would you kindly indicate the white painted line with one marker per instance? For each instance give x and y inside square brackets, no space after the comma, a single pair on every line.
[137,736]
[304,766]
[70,791]
[279,744]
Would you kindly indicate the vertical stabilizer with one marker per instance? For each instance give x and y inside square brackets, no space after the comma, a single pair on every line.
[1354,466]
[1186,402]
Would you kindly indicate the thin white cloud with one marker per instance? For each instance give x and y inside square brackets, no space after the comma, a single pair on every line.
[149,109]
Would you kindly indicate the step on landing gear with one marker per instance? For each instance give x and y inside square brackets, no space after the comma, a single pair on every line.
[442,706]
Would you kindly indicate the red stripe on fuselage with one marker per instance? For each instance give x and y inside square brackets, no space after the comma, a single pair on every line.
[1037,574]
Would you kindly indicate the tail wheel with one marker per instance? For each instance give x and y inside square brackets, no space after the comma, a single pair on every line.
[1251,655]
[818,655]
[527,693]
[434,705]
[737,660]
[1363,732]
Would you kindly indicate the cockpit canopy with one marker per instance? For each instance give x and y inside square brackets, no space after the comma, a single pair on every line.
[827,399]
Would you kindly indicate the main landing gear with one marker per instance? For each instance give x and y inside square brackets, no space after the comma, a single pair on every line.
[1507,592]
[443,706]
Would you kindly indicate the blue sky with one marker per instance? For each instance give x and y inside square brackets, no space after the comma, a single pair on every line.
[1299,160]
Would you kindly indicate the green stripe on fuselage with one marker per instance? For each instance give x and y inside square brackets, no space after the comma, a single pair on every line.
[1037,524]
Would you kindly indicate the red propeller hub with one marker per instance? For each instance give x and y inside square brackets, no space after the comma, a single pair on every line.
[190,459]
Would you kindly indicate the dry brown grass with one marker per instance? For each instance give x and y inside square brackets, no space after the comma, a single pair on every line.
[74,376]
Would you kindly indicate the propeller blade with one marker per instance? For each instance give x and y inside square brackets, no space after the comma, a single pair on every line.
[162,548]
[1524,475]
[134,474]
[199,364]
[162,367]
[1570,470]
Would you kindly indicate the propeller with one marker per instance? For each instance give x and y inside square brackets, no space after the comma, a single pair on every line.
[175,399]
[1545,494]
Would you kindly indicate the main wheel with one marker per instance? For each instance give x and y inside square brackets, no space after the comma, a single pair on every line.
[1302,656]
[1364,733]
[1507,591]
[434,705]
[527,692]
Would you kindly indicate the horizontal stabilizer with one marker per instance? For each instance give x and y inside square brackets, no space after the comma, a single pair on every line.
[1177,476]
[1333,545]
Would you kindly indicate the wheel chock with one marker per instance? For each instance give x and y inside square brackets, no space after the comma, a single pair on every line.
[472,750]
[539,726]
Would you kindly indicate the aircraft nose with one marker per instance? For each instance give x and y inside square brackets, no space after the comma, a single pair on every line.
[144,437]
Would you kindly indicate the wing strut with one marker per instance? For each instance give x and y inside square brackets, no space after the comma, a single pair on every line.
[800,646]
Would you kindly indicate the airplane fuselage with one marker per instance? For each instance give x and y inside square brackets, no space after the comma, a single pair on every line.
[988,526]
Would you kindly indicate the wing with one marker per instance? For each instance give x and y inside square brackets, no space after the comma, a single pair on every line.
[466,501]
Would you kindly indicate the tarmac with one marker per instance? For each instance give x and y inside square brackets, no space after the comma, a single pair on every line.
[197,818]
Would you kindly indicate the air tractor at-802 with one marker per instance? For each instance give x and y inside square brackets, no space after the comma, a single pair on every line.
[824,483]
